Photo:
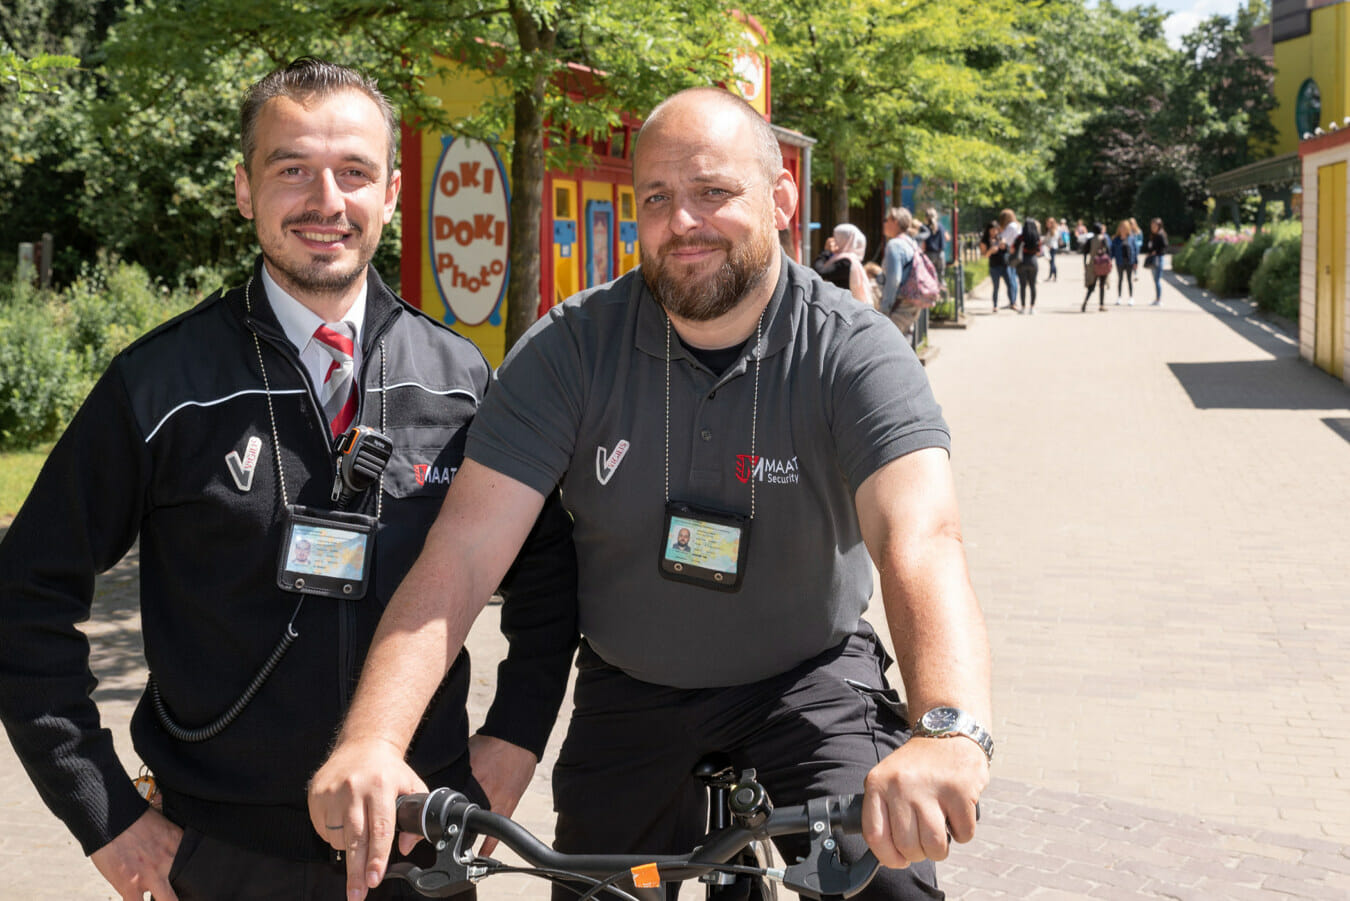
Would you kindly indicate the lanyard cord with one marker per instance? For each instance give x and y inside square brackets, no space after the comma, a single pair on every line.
[754,410]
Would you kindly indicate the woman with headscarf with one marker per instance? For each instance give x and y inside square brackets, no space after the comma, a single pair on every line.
[841,262]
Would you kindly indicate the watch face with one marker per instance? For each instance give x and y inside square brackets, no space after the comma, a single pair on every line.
[941,719]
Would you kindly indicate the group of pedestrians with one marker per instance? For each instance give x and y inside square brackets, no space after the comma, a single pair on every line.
[840,262]
[1122,250]
[1013,250]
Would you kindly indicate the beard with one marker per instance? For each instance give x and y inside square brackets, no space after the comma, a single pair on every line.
[706,298]
[316,275]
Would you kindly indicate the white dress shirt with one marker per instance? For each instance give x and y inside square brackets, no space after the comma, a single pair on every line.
[299,323]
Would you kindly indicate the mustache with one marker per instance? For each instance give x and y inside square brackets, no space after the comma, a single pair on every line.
[312,218]
[696,243]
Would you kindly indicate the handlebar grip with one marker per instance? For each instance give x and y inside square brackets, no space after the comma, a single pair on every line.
[850,813]
[429,815]
[408,813]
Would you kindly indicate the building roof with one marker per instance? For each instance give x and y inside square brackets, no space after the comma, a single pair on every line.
[1275,172]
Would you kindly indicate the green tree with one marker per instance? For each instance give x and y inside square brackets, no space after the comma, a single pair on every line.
[927,87]
[1225,92]
[43,45]
[31,75]
[1186,114]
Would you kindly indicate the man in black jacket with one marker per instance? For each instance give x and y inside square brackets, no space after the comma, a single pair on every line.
[263,573]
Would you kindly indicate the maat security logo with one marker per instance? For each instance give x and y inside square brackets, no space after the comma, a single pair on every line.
[426,474]
[767,470]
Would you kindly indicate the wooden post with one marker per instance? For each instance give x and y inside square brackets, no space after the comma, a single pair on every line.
[26,261]
[45,263]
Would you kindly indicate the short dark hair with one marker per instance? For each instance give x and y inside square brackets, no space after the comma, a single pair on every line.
[302,80]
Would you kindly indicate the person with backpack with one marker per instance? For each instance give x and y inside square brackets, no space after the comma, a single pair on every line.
[1096,265]
[1126,257]
[909,282]
[1026,248]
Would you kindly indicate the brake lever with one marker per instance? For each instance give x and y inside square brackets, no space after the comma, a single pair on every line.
[822,873]
[455,869]
[448,876]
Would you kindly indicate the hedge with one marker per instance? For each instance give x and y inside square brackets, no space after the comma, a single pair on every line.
[54,345]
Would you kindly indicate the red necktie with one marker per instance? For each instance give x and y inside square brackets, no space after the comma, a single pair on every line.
[338,391]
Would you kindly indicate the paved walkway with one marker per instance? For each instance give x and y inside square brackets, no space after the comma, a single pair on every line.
[1155,504]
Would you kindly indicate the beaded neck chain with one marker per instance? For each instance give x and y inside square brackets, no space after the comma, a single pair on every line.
[754,410]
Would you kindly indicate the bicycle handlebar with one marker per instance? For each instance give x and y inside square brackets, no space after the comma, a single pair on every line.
[451,822]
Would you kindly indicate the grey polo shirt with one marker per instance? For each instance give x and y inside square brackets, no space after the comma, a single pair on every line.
[581,400]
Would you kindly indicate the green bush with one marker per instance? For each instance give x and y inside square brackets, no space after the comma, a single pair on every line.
[42,377]
[1198,263]
[1233,264]
[976,272]
[1275,284]
[53,346]
[113,304]
[1183,258]
[1221,273]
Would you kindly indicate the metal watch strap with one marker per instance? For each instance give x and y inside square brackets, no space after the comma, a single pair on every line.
[965,725]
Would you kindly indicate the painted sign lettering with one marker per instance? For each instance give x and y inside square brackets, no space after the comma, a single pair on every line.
[468,228]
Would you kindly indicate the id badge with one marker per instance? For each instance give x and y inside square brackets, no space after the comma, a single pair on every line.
[326,552]
[705,547]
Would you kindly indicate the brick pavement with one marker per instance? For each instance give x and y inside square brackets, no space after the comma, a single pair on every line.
[1154,504]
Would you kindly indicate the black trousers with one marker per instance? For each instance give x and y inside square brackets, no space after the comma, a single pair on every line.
[1124,274]
[1027,273]
[1099,283]
[623,781]
[207,869]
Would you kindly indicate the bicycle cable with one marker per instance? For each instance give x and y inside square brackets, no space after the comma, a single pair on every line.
[608,883]
[561,878]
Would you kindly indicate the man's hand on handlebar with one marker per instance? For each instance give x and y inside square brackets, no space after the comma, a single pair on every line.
[919,796]
[503,771]
[351,806]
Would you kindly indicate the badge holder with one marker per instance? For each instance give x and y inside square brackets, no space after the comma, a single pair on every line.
[704,547]
[326,552]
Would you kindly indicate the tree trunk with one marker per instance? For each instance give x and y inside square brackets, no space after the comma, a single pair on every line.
[527,205]
[527,185]
[840,190]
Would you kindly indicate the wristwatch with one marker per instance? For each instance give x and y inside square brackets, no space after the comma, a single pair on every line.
[944,722]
